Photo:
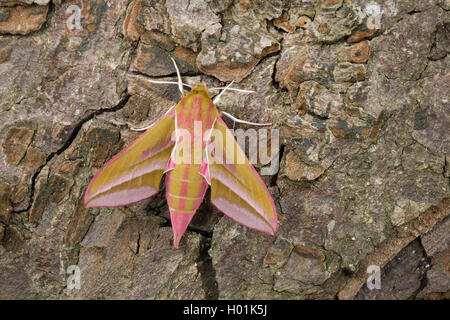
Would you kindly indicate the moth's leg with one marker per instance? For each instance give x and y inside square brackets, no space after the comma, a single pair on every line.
[148,127]
[216,99]
[180,83]
[141,129]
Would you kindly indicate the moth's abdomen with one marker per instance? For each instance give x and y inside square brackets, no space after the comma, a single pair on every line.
[185,190]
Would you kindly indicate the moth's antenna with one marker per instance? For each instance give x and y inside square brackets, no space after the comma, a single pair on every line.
[168,82]
[233,89]
[216,98]
[243,121]
[180,83]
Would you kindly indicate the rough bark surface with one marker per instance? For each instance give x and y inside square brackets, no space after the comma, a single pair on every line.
[358,89]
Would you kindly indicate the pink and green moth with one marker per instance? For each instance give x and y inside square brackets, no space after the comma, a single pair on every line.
[135,173]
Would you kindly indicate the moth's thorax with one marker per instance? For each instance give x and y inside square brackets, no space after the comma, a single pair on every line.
[196,106]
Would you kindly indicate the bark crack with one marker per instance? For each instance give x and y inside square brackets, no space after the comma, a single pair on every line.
[68,143]
[206,270]
[424,266]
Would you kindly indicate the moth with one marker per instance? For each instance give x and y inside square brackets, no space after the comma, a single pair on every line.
[192,146]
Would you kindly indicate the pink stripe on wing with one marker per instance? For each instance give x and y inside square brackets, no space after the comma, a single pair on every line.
[122,197]
[238,191]
[152,151]
[263,185]
[156,165]
[242,216]
[113,159]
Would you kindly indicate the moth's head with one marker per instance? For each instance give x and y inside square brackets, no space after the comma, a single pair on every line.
[200,89]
